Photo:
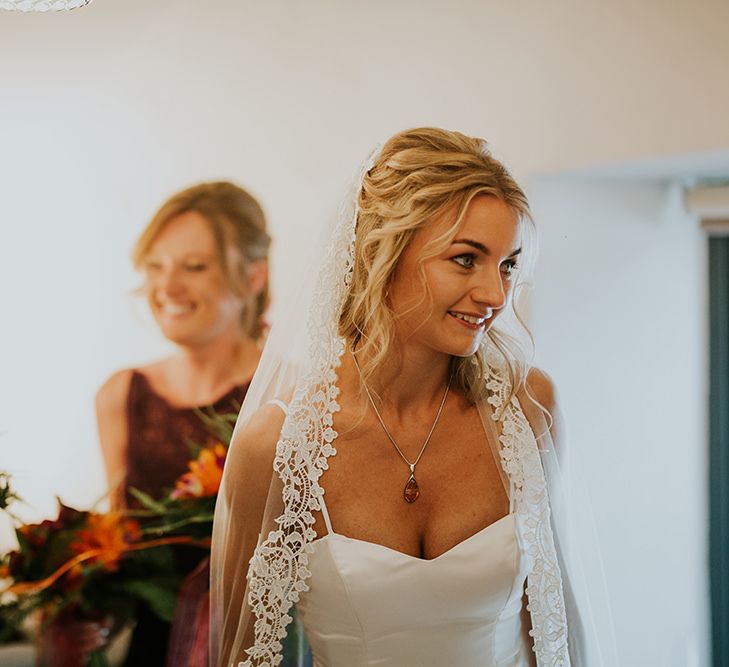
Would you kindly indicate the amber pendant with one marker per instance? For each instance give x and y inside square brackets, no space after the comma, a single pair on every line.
[411,490]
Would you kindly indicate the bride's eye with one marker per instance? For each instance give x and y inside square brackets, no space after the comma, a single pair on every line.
[466,260]
[509,267]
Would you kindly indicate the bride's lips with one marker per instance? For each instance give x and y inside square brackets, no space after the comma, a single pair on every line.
[472,321]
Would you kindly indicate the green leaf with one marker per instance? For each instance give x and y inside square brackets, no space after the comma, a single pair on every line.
[154,560]
[23,544]
[146,500]
[7,493]
[57,550]
[194,448]
[219,424]
[159,596]
[182,523]
[97,659]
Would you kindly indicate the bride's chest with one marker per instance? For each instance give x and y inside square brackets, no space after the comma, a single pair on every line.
[460,484]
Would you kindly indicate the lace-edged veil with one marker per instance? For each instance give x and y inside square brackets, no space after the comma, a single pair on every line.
[265,515]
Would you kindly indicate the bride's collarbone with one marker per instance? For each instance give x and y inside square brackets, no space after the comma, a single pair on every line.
[461,494]
[457,460]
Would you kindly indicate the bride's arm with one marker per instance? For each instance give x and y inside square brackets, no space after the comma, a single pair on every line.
[238,520]
[541,388]
[571,545]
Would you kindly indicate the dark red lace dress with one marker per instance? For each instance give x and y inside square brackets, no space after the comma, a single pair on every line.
[158,451]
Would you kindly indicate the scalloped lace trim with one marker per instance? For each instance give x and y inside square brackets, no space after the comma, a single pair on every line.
[521,462]
[279,567]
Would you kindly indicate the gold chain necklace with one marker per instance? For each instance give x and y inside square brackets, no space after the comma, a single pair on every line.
[411,492]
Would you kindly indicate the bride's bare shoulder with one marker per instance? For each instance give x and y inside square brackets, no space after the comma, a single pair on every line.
[249,464]
[260,432]
[254,442]
[542,388]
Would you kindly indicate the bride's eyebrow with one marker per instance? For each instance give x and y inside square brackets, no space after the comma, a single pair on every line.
[481,247]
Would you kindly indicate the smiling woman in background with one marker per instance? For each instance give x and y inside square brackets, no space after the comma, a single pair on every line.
[204,259]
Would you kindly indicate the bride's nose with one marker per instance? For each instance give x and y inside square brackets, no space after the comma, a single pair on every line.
[490,291]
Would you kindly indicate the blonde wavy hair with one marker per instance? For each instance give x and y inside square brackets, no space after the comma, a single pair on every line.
[419,176]
[237,222]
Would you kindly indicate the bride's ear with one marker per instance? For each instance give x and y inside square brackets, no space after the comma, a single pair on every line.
[257,275]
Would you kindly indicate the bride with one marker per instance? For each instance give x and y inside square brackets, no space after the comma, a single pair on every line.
[394,474]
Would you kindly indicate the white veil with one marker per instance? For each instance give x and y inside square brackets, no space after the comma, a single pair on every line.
[263,530]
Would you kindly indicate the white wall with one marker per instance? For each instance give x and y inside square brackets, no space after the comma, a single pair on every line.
[109,109]
[619,313]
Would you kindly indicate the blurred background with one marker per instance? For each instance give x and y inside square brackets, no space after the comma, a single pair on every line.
[608,113]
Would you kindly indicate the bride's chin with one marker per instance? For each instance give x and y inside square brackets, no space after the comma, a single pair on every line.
[464,351]
[466,354]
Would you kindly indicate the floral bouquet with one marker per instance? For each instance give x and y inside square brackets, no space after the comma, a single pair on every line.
[103,565]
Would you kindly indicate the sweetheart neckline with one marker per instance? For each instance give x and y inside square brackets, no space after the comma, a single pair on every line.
[408,556]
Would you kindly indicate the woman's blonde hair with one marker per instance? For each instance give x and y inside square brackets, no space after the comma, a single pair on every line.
[237,222]
[419,176]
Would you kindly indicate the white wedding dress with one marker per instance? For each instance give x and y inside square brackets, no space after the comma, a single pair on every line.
[360,603]
[368,605]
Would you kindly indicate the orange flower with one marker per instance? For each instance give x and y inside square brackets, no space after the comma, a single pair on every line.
[206,472]
[110,534]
